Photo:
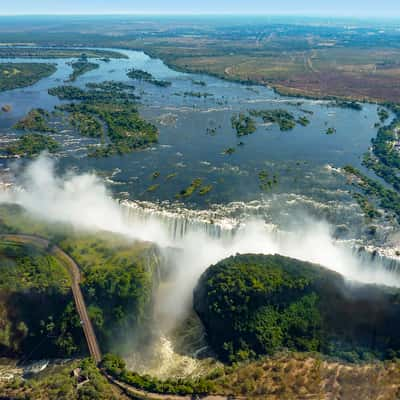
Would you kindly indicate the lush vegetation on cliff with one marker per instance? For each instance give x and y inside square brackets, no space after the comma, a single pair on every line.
[37,314]
[255,304]
[118,278]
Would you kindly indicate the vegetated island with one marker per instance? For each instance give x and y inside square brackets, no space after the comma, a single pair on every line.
[199,95]
[383,114]
[114,105]
[245,124]
[352,105]
[266,182]
[106,111]
[384,160]
[32,144]
[80,67]
[35,120]
[283,118]
[19,75]
[37,138]
[140,75]
[387,198]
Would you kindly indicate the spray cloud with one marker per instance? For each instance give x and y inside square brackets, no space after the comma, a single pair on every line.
[83,201]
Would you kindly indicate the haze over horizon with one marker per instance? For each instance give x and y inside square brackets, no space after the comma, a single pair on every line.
[341,8]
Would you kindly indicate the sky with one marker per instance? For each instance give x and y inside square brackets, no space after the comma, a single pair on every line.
[353,8]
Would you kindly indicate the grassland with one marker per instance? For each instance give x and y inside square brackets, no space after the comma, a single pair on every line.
[18,75]
[352,73]
[297,58]
[304,376]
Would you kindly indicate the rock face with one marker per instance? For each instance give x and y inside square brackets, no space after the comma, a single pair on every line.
[257,304]
[38,322]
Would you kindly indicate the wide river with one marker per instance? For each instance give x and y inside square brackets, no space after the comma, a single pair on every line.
[195,132]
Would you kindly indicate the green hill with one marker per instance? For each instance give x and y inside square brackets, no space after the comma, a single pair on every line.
[257,304]
[37,313]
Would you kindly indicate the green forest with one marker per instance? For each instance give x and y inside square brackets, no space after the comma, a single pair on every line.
[254,305]
[39,315]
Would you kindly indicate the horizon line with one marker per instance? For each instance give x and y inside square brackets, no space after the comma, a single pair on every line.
[219,14]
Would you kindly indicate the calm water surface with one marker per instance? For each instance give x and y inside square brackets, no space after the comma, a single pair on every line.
[195,132]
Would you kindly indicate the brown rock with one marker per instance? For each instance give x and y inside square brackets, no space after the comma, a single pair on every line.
[6,108]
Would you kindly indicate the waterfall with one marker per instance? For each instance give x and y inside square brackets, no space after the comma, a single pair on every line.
[224,225]
[373,256]
[180,222]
